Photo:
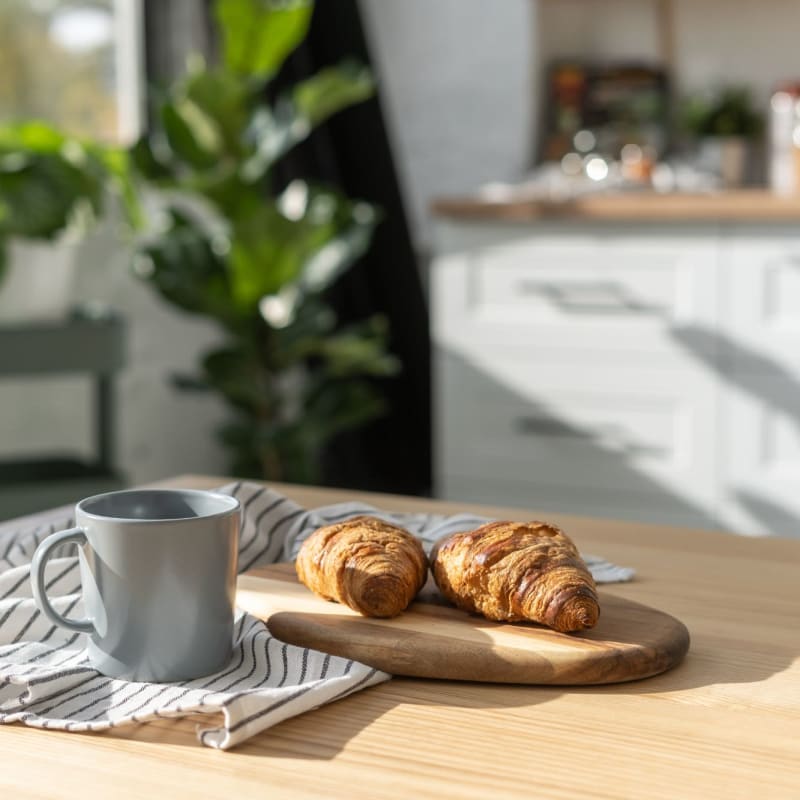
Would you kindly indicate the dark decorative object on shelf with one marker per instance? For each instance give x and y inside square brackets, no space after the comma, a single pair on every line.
[617,104]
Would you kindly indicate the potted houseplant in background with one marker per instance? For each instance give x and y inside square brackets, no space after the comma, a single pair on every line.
[256,258]
[725,127]
[52,187]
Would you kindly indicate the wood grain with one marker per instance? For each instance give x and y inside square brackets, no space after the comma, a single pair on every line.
[741,205]
[631,641]
[725,723]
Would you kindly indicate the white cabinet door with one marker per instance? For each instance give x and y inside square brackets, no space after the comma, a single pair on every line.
[759,349]
[562,294]
[636,437]
[760,313]
[760,455]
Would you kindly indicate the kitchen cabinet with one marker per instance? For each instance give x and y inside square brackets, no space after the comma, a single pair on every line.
[637,370]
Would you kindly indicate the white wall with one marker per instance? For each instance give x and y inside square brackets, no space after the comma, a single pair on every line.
[456,88]
[716,42]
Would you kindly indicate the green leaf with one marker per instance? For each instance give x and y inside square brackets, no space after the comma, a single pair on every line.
[40,193]
[223,98]
[34,136]
[331,90]
[358,351]
[273,132]
[331,234]
[49,181]
[147,162]
[238,373]
[337,255]
[258,35]
[191,135]
[305,334]
[3,260]
[234,199]
[266,253]
[182,266]
[304,242]
[118,164]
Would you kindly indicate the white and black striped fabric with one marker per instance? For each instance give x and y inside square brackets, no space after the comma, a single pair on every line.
[46,681]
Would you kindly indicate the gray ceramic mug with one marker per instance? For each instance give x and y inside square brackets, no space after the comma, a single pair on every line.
[158,577]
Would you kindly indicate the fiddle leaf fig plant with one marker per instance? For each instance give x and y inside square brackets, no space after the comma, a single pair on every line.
[258,261]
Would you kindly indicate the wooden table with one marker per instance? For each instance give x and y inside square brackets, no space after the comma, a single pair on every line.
[726,723]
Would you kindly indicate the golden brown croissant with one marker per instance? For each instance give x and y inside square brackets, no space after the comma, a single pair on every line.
[366,563]
[512,571]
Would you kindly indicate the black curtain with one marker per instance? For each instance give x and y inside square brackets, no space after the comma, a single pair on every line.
[352,152]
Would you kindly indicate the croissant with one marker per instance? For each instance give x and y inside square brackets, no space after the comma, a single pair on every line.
[512,571]
[370,565]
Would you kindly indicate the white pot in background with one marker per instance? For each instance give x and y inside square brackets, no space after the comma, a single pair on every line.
[38,281]
[727,157]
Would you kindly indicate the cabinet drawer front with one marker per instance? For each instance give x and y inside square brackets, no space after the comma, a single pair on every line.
[760,319]
[577,292]
[644,431]
[761,458]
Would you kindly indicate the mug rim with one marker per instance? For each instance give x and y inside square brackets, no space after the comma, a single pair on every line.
[231,501]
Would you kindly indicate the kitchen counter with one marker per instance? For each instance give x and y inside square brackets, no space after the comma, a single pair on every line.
[726,722]
[743,205]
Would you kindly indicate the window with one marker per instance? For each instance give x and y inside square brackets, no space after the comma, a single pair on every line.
[75,63]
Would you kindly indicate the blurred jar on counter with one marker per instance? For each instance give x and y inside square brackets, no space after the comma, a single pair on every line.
[784,140]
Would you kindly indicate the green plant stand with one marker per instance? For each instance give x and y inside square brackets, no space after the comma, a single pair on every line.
[89,344]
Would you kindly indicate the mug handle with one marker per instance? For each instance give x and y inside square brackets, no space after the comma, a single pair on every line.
[39,562]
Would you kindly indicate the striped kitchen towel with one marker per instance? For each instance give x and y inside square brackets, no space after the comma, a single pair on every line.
[46,681]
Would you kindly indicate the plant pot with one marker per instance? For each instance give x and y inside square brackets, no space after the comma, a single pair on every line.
[726,156]
[38,281]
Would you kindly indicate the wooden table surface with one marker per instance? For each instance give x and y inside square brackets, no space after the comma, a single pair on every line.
[726,723]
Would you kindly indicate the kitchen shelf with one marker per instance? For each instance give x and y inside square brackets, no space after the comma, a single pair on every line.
[743,205]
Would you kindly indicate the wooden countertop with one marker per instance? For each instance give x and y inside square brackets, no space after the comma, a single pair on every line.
[725,723]
[744,205]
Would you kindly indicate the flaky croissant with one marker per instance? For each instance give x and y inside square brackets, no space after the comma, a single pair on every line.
[366,563]
[513,571]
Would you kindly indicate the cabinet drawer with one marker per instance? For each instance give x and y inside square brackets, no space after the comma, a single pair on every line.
[643,431]
[579,293]
[760,472]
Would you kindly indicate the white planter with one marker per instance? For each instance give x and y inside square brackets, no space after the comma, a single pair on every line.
[38,281]
[727,157]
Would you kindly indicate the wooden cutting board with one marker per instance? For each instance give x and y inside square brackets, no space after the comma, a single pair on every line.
[432,640]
